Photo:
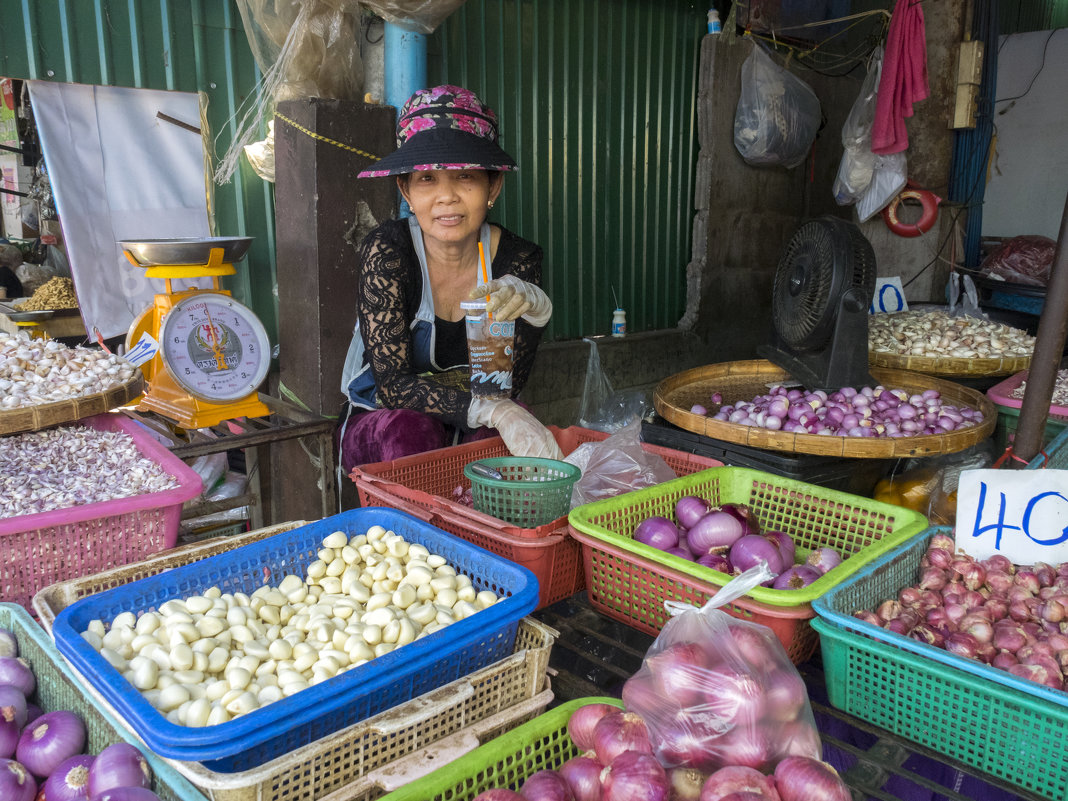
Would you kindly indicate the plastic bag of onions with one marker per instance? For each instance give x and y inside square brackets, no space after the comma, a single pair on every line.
[717,691]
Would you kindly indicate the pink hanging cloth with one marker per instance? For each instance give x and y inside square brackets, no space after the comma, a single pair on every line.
[904,78]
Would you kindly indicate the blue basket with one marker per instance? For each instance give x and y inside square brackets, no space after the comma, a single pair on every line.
[882,580]
[253,739]
[1055,456]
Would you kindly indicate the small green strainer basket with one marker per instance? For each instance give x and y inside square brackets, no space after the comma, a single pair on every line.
[530,492]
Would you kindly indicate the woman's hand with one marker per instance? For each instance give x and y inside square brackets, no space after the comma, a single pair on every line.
[520,430]
[511,297]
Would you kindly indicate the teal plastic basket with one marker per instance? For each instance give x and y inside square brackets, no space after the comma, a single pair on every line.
[1000,724]
[59,688]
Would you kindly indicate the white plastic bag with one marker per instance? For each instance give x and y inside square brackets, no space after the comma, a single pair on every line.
[716,691]
[616,465]
[858,162]
[778,114]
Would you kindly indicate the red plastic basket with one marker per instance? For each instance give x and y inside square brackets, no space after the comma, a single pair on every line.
[426,481]
[39,550]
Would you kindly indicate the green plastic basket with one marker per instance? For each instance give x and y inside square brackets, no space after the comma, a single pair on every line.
[530,492]
[858,528]
[507,761]
[59,688]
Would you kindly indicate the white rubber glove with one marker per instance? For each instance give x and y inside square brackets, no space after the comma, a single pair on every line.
[511,297]
[519,429]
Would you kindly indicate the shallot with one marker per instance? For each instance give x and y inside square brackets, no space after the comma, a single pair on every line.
[800,778]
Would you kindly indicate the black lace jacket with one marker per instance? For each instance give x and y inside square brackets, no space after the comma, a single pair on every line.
[389,287]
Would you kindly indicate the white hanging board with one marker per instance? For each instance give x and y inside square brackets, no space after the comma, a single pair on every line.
[1022,514]
[118,172]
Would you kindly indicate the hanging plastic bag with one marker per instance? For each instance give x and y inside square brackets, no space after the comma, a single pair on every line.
[616,465]
[421,16]
[964,297]
[888,178]
[858,162]
[778,114]
[604,409]
[715,691]
[304,48]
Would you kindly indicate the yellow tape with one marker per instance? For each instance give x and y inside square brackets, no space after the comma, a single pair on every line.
[329,141]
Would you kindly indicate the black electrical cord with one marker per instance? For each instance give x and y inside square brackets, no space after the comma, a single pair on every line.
[1034,77]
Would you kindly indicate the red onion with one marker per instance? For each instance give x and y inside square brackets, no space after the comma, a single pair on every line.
[746,746]
[805,779]
[685,784]
[17,673]
[680,673]
[583,776]
[736,779]
[787,547]
[546,785]
[634,776]
[119,765]
[9,738]
[12,705]
[962,644]
[752,549]
[689,509]
[796,577]
[717,529]
[1003,660]
[580,724]
[743,796]
[16,783]
[49,740]
[32,712]
[657,532]
[717,561]
[617,732]
[744,515]
[785,696]
[498,794]
[824,559]
[129,794]
[69,782]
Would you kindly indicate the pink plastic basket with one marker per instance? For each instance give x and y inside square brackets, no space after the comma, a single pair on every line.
[1001,394]
[38,550]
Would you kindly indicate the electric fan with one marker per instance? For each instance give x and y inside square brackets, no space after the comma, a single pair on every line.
[823,286]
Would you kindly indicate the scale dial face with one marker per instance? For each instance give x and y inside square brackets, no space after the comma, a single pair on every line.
[215,348]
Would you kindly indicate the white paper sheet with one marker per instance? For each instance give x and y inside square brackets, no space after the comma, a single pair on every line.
[119,172]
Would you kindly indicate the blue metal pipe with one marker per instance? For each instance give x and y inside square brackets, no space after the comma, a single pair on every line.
[405,71]
[405,64]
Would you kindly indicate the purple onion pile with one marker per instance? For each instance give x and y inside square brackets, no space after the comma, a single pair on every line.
[42,751]
[728,538]
[1010,617]
[849,412]
[617,763]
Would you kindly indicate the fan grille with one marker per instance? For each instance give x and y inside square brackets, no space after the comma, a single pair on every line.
[803,292]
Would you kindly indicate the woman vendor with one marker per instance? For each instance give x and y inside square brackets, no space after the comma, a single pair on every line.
[406,375]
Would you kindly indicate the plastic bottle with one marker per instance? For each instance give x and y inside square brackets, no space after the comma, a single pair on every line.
[714,25]
[619,323]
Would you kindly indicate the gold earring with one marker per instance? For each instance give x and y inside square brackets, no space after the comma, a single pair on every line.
[490,204]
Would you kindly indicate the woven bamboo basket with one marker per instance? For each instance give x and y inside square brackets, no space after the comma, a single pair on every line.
[34,418]
[949,366]
[744,380]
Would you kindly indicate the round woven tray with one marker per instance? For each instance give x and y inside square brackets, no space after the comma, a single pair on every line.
[744,380]
[34,418]
[949,366]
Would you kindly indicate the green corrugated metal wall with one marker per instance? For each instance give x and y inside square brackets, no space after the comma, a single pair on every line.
[184,45]
[597,100]
[1022,16]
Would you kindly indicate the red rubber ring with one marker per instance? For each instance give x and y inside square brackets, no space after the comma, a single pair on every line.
[929,202]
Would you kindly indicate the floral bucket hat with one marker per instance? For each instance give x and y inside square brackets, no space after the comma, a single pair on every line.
[444,128]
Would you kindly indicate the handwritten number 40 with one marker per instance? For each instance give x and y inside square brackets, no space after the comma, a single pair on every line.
[1000,526]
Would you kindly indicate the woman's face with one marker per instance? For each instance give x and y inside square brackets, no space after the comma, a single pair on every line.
[450,205]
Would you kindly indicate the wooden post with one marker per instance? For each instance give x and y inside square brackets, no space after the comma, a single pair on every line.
[321,213]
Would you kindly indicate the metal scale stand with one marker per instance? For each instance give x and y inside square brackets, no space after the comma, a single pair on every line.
[213,351]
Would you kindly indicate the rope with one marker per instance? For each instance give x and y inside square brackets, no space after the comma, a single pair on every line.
[326,139]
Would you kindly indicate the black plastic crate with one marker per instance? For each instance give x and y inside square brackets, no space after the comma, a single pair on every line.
[858,476]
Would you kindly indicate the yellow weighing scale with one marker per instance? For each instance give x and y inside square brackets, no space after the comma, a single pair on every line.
[213,351]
